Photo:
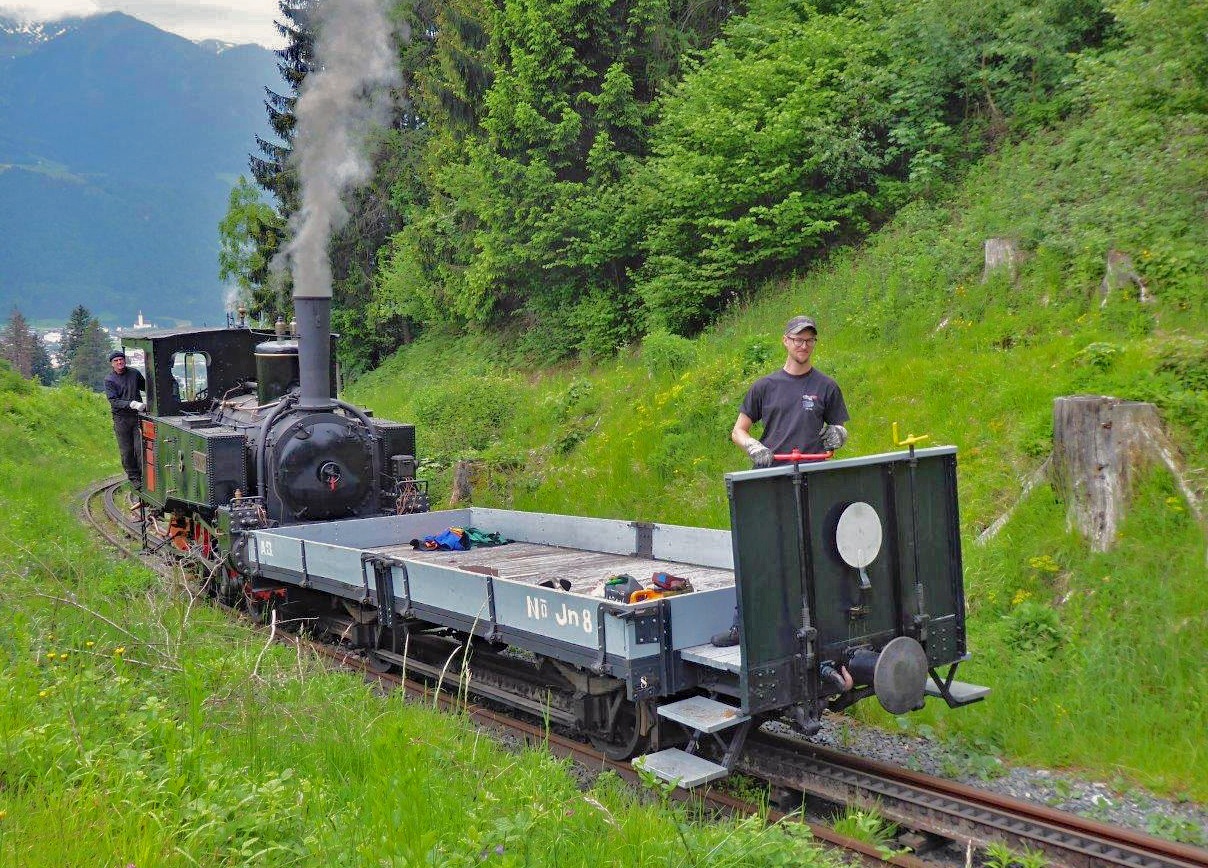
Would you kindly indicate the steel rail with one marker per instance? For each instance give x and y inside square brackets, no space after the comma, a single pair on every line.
[956,811]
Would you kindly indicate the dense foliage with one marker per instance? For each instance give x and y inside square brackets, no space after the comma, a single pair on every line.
[585,171]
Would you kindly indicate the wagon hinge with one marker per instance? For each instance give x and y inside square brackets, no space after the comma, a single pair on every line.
[383,578]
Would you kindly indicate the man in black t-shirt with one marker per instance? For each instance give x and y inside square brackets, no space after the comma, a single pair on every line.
[123,388]
[801,408]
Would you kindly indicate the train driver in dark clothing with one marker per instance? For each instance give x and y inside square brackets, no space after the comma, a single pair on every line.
[124,387]
[801,408]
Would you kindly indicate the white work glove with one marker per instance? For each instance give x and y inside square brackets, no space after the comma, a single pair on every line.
[138,406]
[833,437]
[761,456]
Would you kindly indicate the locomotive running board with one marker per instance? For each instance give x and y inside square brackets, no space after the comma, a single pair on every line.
[700,715]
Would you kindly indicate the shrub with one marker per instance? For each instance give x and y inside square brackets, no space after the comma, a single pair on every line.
[664,353]
[1034,629]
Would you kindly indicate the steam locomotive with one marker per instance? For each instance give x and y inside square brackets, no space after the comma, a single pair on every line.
[230,441]
[846,575]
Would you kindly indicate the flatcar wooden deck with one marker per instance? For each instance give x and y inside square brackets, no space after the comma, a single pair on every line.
[585,570]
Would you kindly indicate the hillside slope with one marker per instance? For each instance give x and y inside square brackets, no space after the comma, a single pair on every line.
[1096,660]
[119,144]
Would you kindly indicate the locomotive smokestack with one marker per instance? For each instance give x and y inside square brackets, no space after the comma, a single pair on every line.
[348,92]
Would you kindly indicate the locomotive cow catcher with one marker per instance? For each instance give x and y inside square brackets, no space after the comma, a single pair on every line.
[846,575]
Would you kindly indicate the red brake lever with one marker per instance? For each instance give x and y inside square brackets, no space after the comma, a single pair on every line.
[796,456]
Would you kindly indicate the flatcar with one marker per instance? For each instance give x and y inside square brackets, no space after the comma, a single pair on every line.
[846,576]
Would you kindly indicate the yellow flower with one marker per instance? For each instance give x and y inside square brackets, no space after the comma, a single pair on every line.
[89,644]
[119,651]
[63,656]
[44,693]
[50,655]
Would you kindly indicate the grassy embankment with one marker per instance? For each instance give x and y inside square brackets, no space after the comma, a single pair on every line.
[1096,659]
[139,727]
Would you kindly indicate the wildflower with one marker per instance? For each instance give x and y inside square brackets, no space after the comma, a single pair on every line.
[498,849]
[89,644]
[50,655]
[119,651]
[63,656]
[43,693]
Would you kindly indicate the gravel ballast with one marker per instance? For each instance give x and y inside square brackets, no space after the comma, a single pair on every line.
[1114,804]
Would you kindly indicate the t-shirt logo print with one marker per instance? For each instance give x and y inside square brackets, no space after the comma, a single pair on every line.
[808,402]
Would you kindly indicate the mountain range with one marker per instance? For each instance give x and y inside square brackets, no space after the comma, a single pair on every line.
[119,145]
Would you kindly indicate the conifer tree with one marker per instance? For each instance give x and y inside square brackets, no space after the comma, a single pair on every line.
[19,344]
[73,333]
[296,60]
[89,363]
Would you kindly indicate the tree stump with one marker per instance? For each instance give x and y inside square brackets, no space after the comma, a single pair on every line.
[1001,253]
[462,491]
[1118,273]
[1099,445]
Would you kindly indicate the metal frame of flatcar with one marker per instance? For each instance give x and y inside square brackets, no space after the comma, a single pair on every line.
[645,677]
[651,674]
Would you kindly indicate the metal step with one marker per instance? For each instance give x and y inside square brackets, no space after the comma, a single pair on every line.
[728,659]
[962,693]
[702,714]
[684,769]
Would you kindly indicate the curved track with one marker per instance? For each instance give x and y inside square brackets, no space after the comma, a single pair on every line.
[940,810]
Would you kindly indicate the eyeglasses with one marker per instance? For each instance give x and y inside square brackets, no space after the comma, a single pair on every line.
[803,342]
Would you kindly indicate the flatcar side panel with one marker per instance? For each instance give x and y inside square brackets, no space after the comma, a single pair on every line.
[594,534]
[768,569]
[928,538]
[693,545]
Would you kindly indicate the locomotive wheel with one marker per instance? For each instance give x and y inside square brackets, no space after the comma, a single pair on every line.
[625,740]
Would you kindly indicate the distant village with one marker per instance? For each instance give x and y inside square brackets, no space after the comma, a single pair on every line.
[52,339]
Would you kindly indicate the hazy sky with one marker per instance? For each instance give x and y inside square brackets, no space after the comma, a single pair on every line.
[230,20]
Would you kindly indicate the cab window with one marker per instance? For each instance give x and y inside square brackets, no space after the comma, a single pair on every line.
[190,377]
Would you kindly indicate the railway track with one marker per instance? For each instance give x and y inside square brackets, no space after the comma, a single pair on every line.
[948,821]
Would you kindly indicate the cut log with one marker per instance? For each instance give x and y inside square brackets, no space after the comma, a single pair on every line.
[1119,273]
[1001,253]
[1099,445]
[462,492]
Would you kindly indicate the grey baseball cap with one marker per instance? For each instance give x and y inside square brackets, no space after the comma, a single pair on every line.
[798,324]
